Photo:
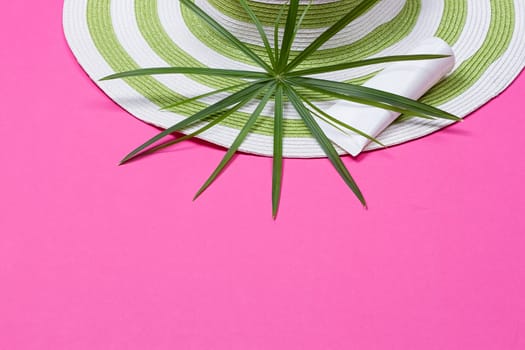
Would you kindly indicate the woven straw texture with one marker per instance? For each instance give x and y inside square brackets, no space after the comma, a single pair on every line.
[107,36]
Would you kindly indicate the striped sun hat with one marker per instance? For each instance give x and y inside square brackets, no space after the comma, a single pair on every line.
[107,36]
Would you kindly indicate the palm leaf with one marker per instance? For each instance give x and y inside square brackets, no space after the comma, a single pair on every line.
[280,81]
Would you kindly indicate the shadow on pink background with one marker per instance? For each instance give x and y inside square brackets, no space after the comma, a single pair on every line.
[95,256]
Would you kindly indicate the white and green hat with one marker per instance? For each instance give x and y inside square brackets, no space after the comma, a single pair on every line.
[107,36]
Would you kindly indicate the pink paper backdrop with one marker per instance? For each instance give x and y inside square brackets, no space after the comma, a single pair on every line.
[95,256]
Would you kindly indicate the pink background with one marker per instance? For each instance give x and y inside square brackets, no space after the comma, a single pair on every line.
[95,256]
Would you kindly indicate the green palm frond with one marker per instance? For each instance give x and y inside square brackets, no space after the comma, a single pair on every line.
[280,80]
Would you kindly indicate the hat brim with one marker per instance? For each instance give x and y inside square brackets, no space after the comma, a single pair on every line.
[108,36]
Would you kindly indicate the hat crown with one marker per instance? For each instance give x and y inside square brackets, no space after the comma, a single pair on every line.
[321,14]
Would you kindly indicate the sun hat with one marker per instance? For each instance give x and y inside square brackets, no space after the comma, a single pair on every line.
[107,36]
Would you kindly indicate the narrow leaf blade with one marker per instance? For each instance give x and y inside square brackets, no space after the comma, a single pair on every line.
[362,63]
[260,29]
[188,70]
[325,143]
[373,96]
[330,32]
[334,120]
[288,35]
[199,131]
[219,29]
[276,33]
[237,142]
[277,171]
[342,96]
[301,19]
[211,93]
[244,94]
